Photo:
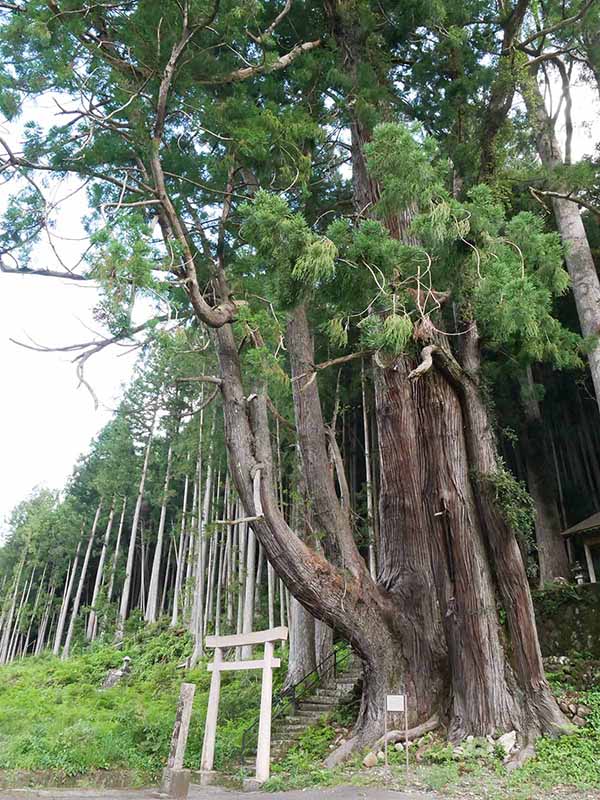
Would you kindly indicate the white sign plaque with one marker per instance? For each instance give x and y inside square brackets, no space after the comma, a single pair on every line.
[396,702]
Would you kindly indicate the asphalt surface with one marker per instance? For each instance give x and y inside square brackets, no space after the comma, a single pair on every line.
[214,793]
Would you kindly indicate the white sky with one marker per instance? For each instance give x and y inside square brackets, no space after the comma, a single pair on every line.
[46,421]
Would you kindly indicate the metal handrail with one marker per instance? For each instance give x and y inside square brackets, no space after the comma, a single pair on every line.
[292,695]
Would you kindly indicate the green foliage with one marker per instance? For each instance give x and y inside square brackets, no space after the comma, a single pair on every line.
[54,716]
[513,500]
[572,760]
[391,334]
[403,167]
[302,765]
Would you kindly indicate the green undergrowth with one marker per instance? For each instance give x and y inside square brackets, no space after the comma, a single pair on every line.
[54,717]
[562,768]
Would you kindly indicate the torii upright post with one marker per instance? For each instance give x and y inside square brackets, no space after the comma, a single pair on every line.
[267,664]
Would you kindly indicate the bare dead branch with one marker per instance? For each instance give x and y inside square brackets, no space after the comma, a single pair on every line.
[573,198]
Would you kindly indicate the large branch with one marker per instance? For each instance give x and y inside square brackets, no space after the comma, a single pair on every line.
[328,512]
[573,198]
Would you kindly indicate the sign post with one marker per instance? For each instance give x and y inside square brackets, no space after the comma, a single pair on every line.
[396,703]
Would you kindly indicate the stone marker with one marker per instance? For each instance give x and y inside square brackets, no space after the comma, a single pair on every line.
[114,675]
[176,779]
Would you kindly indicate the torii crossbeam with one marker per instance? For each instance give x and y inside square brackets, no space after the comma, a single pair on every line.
[267,664]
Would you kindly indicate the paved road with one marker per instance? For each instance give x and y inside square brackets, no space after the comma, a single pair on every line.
[213,793]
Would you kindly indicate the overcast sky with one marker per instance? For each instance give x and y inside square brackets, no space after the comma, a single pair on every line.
[46,420]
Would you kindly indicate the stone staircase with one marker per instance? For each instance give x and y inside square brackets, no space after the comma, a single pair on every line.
[309,709]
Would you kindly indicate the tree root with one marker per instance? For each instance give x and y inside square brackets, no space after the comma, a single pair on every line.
[413,733]
[363,740]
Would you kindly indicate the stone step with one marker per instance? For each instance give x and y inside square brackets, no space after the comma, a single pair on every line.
[308,714]
[321,700]
[314,705]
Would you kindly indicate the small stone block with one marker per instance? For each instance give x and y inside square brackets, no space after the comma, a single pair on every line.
[175,783]
[251,785]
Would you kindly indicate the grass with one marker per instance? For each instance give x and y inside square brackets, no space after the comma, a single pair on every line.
[562,768]
[54,717]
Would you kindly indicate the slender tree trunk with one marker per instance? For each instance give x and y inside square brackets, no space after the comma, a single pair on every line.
[77,600]
[142,593]
[34,610]
[202,544]
[167,575]
[249,588]
[41,634]
[578,255]
[12,649]
[124,604]
[270,595]
[242,532]
[151,606]
[323,649]
[551,549]
[180,555]
[62,616]
[8,614]
[92,625]
[115,560]
[368,475]
[302,656]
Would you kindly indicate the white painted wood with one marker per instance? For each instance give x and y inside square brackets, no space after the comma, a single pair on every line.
[257,663]
[255,637]
[263,748]
[210,727]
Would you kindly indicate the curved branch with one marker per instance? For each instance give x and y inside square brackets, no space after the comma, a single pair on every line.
[557,26]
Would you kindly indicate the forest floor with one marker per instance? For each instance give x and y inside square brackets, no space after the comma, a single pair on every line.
[60,729]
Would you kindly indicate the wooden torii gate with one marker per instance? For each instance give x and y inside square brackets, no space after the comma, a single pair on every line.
[267,664]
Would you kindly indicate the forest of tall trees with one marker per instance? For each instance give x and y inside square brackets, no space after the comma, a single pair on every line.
[366,402]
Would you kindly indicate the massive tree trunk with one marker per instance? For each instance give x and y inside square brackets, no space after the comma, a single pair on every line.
[578,255]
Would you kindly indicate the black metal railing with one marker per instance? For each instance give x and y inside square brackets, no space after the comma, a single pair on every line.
[288,699]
